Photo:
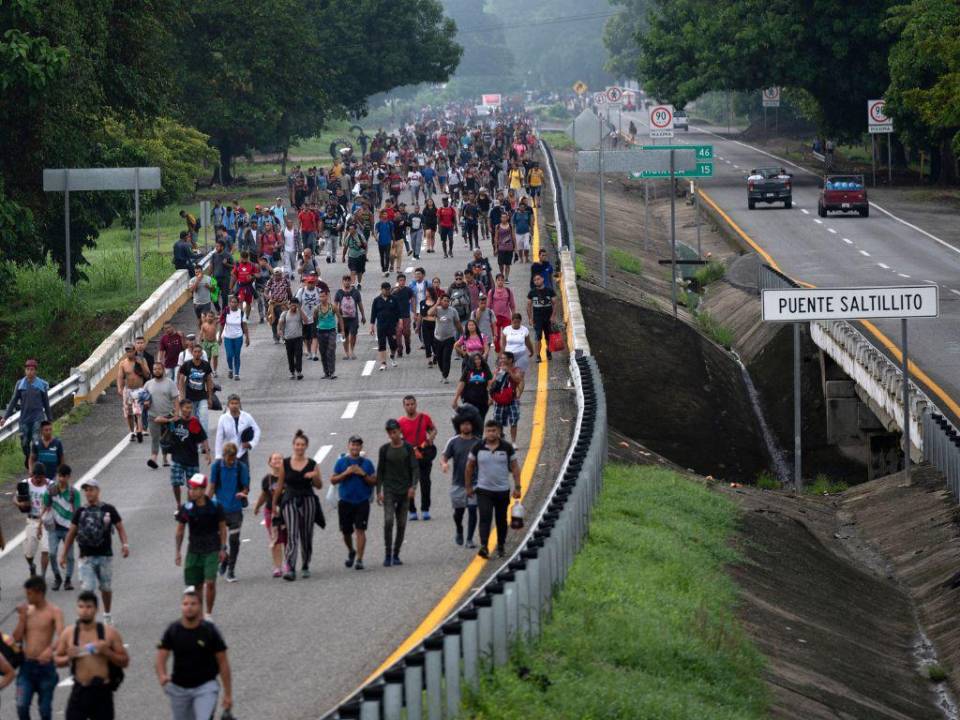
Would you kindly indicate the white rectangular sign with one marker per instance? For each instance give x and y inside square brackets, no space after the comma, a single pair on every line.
[661,121]
[803,304]
[58,180]
[771,97]
[877,120]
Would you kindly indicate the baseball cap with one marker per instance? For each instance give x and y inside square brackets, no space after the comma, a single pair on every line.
[392,424]
[278,270]
[30,363]
[197,480]
[92,482]
[356,439]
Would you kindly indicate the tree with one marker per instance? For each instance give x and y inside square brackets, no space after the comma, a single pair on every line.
[924,93]
[619,36]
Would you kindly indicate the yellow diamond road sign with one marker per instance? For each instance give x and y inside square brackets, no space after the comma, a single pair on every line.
[580,87]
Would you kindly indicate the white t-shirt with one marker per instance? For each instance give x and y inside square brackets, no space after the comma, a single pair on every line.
[187,355]
[516,338]
[289,240]
[233,324]
[413,177]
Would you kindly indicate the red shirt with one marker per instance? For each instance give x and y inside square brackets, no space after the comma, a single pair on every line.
[447,217]
[172,346]
[443,141]
[308,221]
[244,272]
[391,213]
[415,429]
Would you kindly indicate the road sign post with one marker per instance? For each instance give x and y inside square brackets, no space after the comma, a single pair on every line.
[867,303]
[603,214]
[673,232]
[66,180]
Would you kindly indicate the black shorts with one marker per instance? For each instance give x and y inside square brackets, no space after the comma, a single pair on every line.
[309,331]
[386,335]
[357,264]
[505,257]
[200,310]
[535,190]
[353,516]
[541,327]
[351,326]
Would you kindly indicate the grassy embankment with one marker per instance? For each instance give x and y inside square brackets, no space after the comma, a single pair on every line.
[645,626]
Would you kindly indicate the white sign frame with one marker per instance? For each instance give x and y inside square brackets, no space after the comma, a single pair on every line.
[854,303]
[771,97]
[614,95]
[874,125]
[658,130]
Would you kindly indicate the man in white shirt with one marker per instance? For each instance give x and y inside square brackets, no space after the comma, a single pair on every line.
[239,427]
[291,245]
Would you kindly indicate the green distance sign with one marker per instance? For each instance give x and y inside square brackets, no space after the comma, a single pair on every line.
[704,152]
[703,169]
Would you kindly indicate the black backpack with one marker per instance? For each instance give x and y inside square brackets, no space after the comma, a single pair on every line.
[116,672]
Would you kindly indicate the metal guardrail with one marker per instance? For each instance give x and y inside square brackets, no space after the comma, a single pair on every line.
[933,437]
[512,606]
[89,374]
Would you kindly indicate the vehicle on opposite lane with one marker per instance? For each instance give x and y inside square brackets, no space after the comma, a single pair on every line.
[843,193]
[681,121]
[769,185]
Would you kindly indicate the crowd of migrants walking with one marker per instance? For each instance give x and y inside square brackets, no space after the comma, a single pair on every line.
[299,268]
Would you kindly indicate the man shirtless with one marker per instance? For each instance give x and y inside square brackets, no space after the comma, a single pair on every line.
[131,376]
[209,327]
[89,648]
[38,627]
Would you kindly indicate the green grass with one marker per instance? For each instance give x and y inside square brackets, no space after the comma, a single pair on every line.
[937,673]
[823,485]
[319,146]
[709,273]
[11,457]
[720,334]
[626,262]
[767,481]
[557,140]
[580,268]
[645,627]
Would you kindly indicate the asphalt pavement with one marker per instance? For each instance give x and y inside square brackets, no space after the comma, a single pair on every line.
[843,250]
[296,648]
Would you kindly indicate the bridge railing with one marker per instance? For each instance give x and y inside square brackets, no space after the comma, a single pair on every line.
[88,379]
[933,436]
[513,604]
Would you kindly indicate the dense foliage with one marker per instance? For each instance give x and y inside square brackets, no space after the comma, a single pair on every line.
[99,83]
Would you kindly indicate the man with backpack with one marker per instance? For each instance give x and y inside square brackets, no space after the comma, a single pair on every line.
[459,294]
[91,527]
[96,657]
[230,485]
[349,305]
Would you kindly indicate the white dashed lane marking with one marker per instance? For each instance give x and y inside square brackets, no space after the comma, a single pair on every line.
[322,452]
[848,241]
[805,212]
[831,230]
[865,253]
[350,410]
[818,222]
[368,367]
[885,267]
[955,292]
[903,275]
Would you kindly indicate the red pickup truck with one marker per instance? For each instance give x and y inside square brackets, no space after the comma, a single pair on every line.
[843,193]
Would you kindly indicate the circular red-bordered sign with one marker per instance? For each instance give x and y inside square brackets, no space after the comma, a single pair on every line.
[661,117]
[877,114]
[614,94]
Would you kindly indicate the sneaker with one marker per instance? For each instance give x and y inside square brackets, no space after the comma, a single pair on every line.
[237,376]
[470,545]
[315,358]
[305,573]
[500,551]
[350,557]
[393,363]
[483,552]
[133,437]
[459,538]
[413,517]
[107,619]
[230,374]
[139,437]
[299,376]
[277,572]
[387,561]
[358,565]
[293,376]
[426,515]
[332,377]
[231,576]
[68,585]
[152,464]
[396,560]
[383,366]
[290,576]
[57,582]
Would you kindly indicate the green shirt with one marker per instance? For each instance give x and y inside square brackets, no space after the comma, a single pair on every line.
[355,246]
[64,504]
[398,469]
[326,320]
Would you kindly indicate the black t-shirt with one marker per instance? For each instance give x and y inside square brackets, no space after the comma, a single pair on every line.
[103,516]
[195,385]
[295,482]
[403,295]
[268,485]
[186,438]
[194,652]
[542,302]
[204,523]
[475,385]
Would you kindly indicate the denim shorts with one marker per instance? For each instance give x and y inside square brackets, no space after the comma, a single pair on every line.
[96,569]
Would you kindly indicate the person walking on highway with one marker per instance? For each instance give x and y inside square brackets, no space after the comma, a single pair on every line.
[505,391]
[407,307]
[398,473]
[473,387]
[237,426]
[195,383]
[326,320]
[39,624]
[94,652]
[290,328]
[505,242]
[447,222]
[221,268]
[515,338]
[272,518]
[447,327]
[163,402]
[294,496]
[60,504]
[29,500]
[187,437]
[92,527]
[349,305]
[132,373]
[355,478]
[491,465]
[504,306]
[171,345]
[230,486]
[199,656]
[235,333]
[47,450]
[420,432]
[384,316]
[458,450]
[355,253]
[541,310]
[207,545]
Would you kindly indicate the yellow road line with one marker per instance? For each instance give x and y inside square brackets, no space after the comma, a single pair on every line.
[464,583]
[917,372]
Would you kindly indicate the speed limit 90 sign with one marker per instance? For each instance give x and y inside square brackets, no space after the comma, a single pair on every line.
[661,121]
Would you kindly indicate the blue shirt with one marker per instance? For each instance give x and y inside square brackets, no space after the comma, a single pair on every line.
[521,221]
[227,482]
[354,490]
[230,220]
[428,173]
[384,230]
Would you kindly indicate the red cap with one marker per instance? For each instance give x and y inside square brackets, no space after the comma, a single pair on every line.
[30,363]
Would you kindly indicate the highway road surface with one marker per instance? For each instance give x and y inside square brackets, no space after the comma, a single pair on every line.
[297,648]
[844,251]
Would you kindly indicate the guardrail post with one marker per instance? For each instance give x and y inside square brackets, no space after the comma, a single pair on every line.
[484,606]
[499,623]
[469,640]
[370,706]
[531,555]
[509,580]
[434,673]
[413,685]
[519,568]
[451,666]
[393,693]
